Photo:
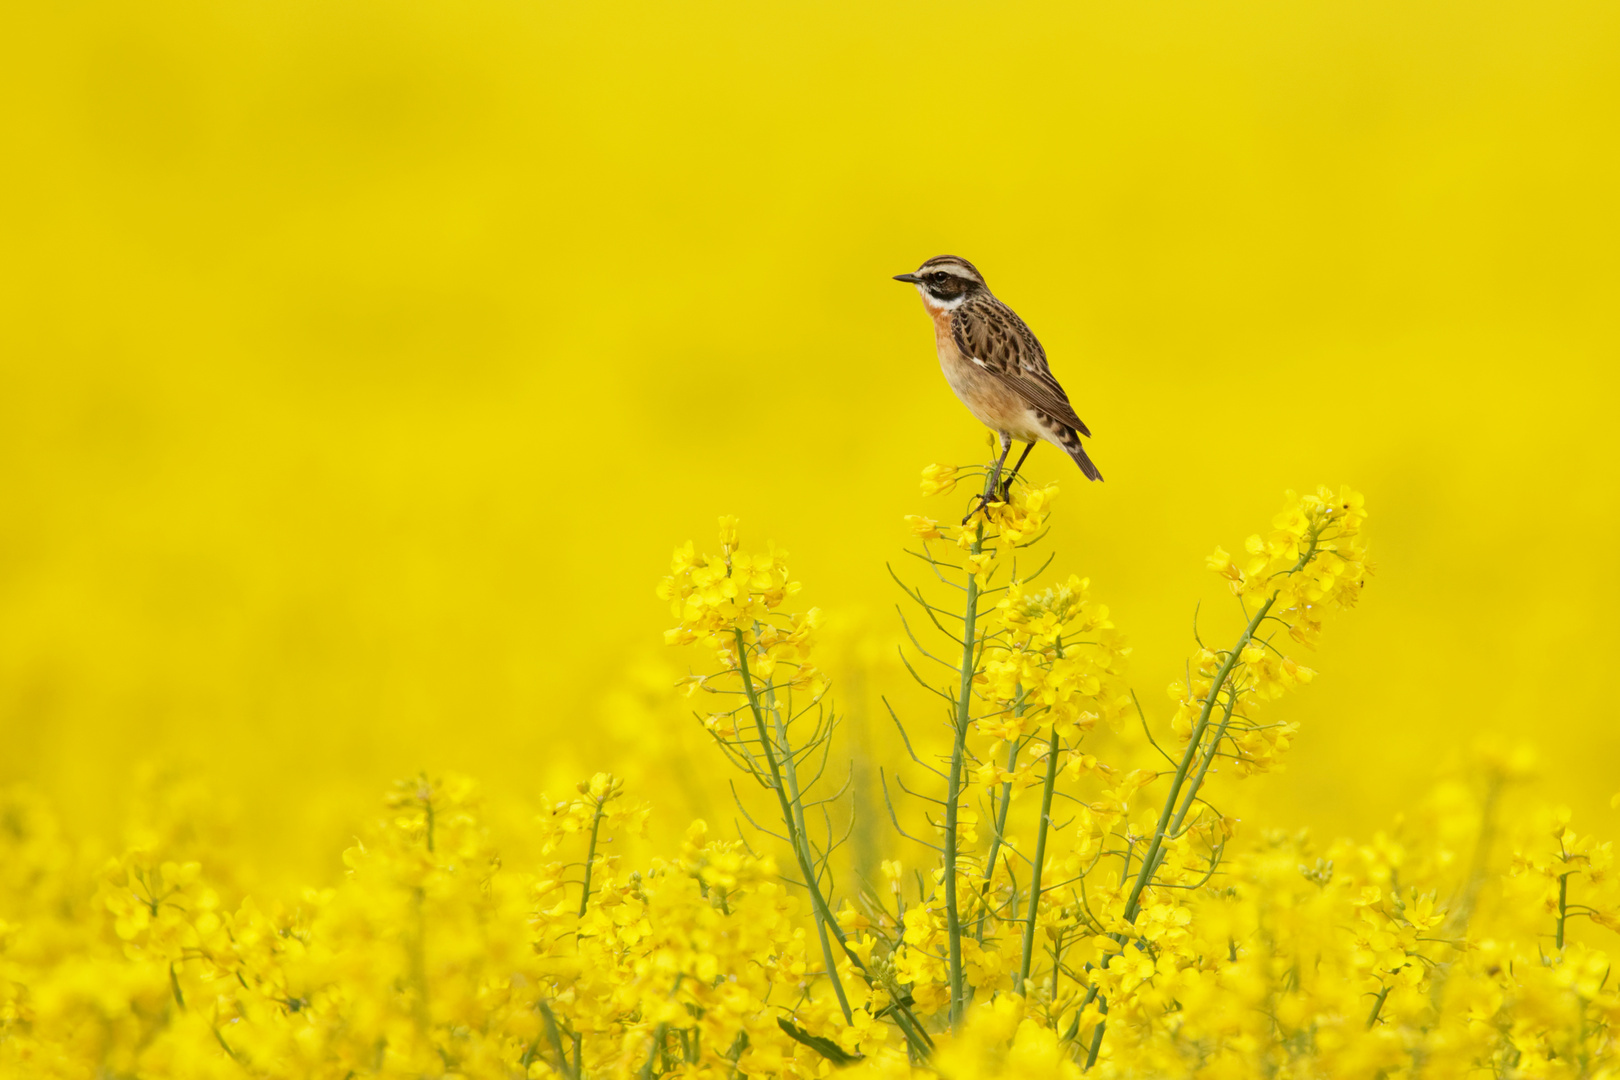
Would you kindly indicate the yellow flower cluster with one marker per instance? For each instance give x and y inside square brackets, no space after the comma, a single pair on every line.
[997,526]
[1051,668]
[1349,960]
[731,602]
[1082,919]
[433,957]
[1057,661]
[1311,563]
[1365,960]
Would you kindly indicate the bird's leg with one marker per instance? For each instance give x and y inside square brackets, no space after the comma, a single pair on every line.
[1006,485]
[992,489]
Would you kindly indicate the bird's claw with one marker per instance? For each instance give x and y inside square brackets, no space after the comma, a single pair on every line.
[983,504]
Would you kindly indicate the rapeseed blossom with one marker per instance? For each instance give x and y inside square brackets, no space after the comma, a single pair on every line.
[1075,917]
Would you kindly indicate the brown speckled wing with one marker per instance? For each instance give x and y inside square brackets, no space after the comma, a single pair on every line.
[992,334]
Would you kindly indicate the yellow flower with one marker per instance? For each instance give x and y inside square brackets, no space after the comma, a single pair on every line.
[924,527]
[938,479]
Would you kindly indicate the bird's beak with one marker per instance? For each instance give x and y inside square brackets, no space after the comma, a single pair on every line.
[909,279]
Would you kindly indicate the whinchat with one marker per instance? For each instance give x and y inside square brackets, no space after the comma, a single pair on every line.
[995,365]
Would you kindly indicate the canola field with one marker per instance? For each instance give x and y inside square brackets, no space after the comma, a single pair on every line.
[362,364]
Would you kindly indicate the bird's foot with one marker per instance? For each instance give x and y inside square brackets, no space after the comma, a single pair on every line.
[982,504]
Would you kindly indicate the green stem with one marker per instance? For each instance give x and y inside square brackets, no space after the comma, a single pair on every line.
[1001,829]
[1150,858]
[428,806]
[807,860]
[590,859]
[555,1038]
[953,783]
[1057,975]
[1150,861]
[1378,1007]
[792,818]
[418,961]
[1097,1033]
[1040,859]
[1203,766]
[655,1051]
[825,921]
[1563,911]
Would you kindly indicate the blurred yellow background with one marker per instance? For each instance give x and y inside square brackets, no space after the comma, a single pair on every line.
[362,362]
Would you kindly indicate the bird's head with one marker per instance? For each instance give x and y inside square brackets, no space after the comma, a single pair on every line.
[945,281]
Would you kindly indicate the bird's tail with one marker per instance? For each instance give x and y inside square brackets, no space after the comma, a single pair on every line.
[1069,439]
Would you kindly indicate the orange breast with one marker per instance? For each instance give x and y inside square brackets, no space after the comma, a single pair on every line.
[943,337]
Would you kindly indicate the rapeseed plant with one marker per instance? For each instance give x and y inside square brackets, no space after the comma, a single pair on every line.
[1069,915]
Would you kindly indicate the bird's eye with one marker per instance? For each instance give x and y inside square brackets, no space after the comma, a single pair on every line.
[938,277]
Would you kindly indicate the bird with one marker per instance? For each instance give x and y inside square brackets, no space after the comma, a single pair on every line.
[997,368]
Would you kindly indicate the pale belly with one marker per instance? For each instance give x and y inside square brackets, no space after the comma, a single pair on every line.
[991,402]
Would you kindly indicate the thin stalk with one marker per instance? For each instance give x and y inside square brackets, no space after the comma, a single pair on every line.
[417,958]
[1001,829]
[655,1051]
[427,805]
[1097,1033]
[1563,907]
[1150,858]
[797,829]
[590,858]
[1040,859]
[1457,922]
[555,1038]
[1203,766]
[953,783]
[904,1018]
[793,821]
[1378,1007]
